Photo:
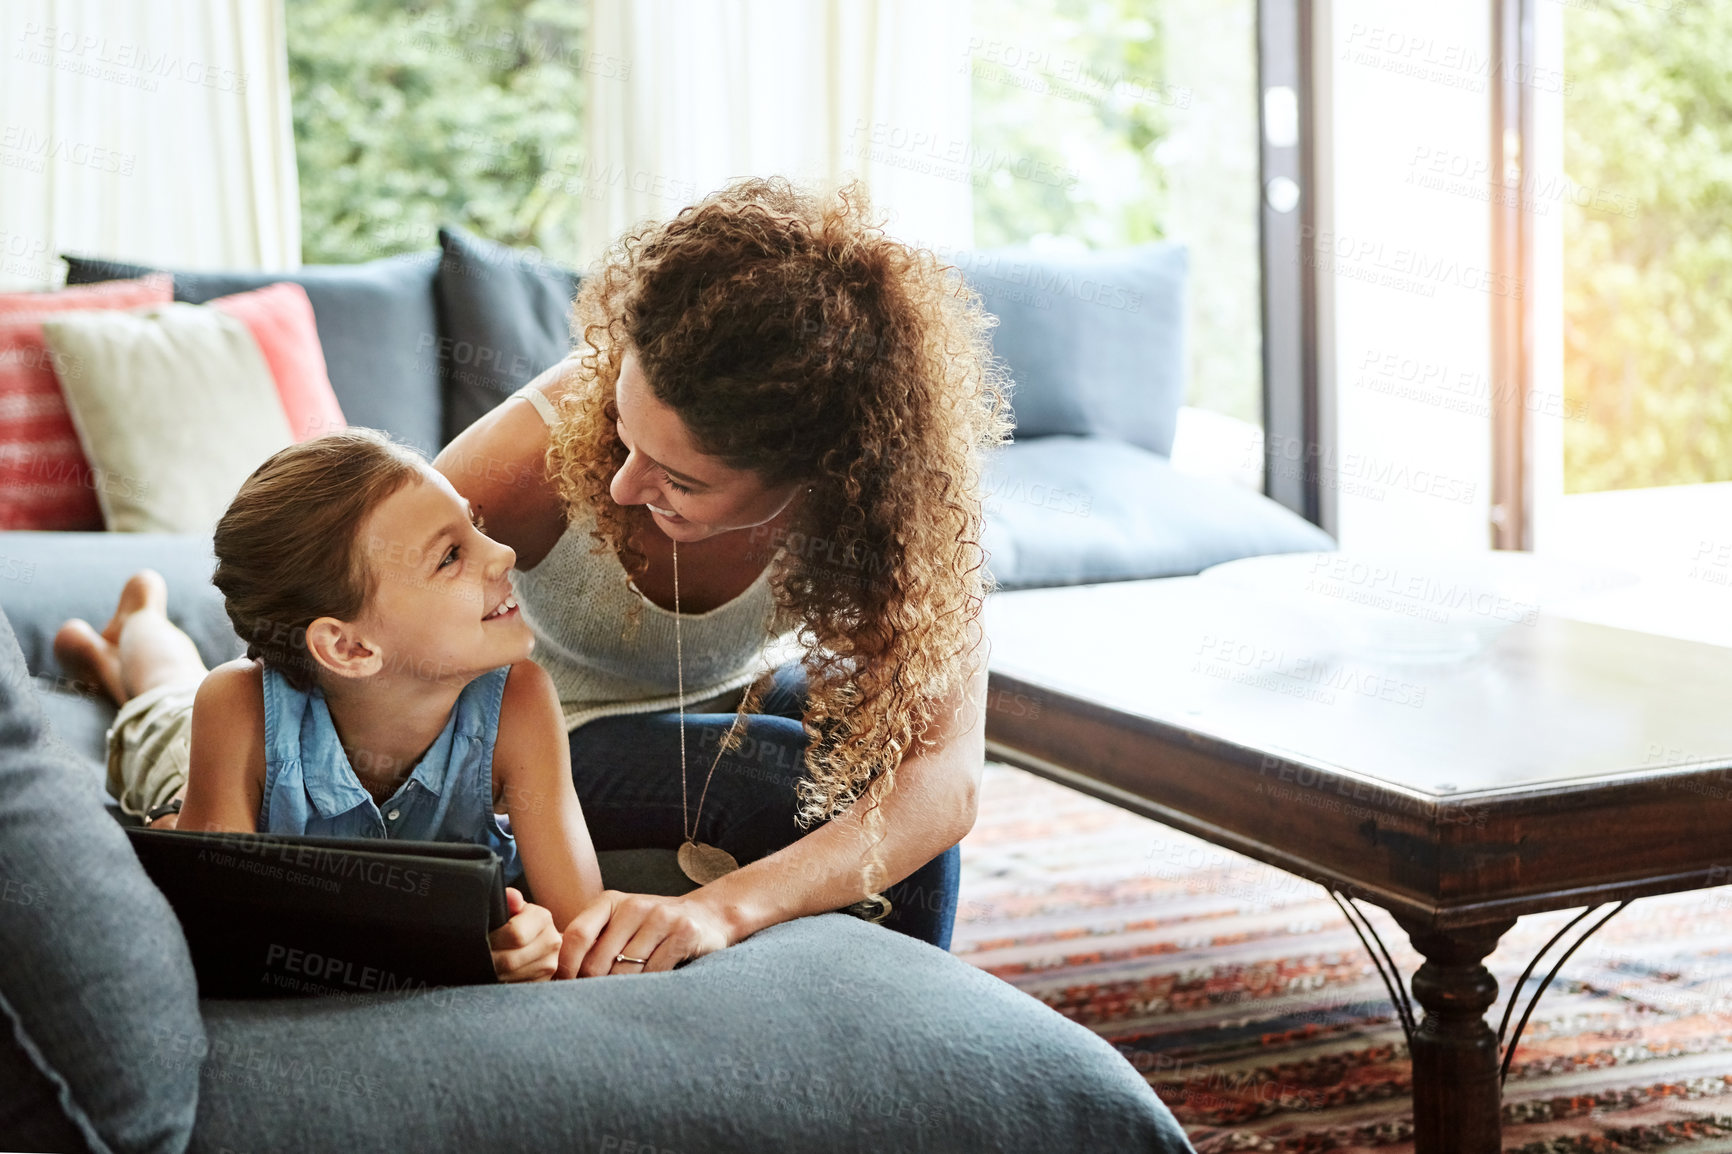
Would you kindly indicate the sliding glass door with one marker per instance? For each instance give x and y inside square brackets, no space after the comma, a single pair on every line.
[1647,245]
[1128,121]
[1628,188]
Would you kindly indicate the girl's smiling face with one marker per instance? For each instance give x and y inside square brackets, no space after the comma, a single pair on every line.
[439,585]
[691,494]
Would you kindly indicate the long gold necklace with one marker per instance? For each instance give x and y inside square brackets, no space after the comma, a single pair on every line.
[702,863]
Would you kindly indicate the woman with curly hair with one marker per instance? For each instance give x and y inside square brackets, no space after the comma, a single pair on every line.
[768,441]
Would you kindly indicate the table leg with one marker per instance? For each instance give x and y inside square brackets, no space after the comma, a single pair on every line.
[1457,1102]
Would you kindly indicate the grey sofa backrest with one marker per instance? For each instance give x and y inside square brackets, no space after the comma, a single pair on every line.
[421,344]
[1095,342]
[376,323]
[378,326]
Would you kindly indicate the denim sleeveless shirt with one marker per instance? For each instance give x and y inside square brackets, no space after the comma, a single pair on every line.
[311,789]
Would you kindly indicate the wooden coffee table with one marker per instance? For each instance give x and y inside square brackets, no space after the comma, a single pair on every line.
[1564,764]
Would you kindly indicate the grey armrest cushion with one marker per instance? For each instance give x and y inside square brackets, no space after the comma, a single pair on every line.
[94,971]
[824,1034]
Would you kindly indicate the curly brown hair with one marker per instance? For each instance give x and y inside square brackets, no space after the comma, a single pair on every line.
[795,339]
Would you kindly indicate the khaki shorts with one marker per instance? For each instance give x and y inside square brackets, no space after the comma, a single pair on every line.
[149,745]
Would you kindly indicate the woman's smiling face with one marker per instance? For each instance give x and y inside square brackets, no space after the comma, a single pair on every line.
[691,494]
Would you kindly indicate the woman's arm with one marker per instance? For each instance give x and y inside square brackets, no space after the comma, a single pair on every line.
[931,808]
[225,781]
[532,778]
[499,465]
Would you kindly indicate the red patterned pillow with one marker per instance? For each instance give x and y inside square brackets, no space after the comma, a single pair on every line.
[45,481]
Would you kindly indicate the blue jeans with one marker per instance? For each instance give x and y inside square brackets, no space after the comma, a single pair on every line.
[627,773]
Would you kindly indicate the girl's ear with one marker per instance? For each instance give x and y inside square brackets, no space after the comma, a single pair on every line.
[340,648]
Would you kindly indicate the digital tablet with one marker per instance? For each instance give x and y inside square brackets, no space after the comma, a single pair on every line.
[280,915]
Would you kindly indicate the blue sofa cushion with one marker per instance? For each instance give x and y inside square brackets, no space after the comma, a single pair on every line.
[80,575]
[1095,342]
[504,316]
[94,974]
[1074,510]
[377,324]
[825,1033]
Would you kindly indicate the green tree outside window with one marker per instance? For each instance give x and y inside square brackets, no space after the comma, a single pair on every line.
[1648,244]
[408,116]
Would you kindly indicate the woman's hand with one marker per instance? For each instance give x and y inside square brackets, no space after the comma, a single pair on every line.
[526,948]
[664,931]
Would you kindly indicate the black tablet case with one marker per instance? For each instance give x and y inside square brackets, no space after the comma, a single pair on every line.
[277,915]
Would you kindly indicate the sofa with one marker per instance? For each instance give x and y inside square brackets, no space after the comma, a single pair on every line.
[425,343]
[1095,347]
[823,1034]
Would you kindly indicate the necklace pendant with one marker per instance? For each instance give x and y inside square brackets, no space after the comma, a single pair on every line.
[705,863]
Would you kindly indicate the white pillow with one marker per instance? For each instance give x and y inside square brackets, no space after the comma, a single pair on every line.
[175,406]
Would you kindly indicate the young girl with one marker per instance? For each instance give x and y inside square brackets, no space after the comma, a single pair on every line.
[387,689]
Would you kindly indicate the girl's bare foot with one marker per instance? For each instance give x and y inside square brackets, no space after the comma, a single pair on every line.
[86,656]
[94,657]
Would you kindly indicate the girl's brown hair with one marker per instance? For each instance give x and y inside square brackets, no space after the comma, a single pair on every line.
[288,549]
[794,338]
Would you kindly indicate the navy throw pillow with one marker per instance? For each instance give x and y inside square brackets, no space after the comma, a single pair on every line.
[503,319]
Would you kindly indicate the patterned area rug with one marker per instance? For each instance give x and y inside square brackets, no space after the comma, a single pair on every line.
[1243,996]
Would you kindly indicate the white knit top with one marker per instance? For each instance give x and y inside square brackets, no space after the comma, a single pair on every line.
[577,602]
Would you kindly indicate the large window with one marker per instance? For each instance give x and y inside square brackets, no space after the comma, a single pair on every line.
[411,115]
[1125,121]
[1628,196]
[1117,122]
[1647,244]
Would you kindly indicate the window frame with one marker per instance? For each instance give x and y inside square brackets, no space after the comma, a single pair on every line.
[1299,440]
[1512,262]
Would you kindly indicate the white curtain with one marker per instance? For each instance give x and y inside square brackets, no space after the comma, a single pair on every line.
[155,132]
[685,96]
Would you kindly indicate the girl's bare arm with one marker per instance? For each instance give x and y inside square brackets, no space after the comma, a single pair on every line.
[532,781]
[226,769]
